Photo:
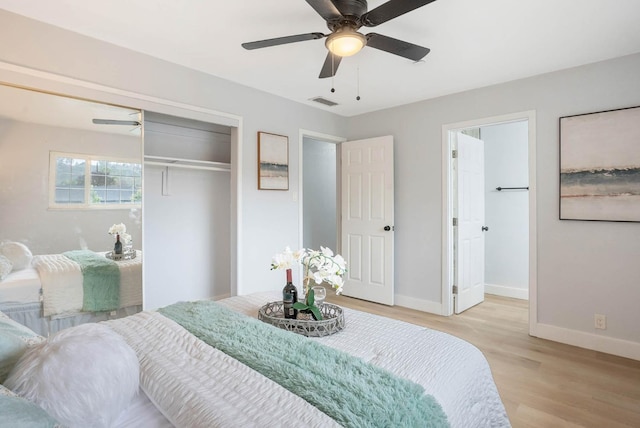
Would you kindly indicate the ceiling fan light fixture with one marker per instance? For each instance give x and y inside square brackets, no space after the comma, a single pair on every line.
[345,42]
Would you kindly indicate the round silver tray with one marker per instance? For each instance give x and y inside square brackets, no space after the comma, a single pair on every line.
[332,322]
[126,255]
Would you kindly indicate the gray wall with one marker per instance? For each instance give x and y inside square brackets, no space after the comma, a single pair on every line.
[583,267]
[187,237]
[24,194]
[506,212]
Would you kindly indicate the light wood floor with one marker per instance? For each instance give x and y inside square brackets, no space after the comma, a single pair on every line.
[542,383]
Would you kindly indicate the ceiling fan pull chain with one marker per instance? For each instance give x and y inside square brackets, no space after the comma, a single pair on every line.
[358,83]
[333,74]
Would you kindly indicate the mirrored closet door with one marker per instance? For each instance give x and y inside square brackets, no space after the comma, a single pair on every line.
[70,169]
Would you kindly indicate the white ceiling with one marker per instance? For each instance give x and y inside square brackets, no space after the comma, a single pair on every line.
[473,43]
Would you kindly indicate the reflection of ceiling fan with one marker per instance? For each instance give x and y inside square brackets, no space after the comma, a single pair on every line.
[116,122]
[135,125]
[344,18]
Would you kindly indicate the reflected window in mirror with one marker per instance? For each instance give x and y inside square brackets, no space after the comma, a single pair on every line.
[91,181]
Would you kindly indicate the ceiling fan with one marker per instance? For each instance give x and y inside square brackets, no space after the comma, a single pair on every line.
[344,19]
[116,122]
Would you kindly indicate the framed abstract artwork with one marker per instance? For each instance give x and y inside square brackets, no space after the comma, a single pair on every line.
[600,166]
[273,161]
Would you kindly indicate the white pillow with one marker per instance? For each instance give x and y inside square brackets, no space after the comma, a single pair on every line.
[15,339]
[17,253]
[82,376]
[19,412]
[5,267]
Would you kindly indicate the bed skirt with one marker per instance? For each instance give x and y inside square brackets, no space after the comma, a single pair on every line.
[30,315]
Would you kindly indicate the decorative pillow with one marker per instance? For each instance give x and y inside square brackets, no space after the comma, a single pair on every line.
[5,267]
[7,392]
[15,339]
[82,376]
[18,412]
[18,253]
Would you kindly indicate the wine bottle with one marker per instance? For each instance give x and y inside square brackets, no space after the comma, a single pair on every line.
[289,297]
[117,248]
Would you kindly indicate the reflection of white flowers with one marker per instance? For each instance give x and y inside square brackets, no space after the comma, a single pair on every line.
[319,266]
[120,229]
[117,229]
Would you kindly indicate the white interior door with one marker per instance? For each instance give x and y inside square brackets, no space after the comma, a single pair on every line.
[469,263]
[367,218]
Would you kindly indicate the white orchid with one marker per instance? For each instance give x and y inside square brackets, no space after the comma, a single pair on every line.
[326,251]
[319,266]
[286,259]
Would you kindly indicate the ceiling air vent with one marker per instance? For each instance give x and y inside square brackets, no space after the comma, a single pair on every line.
[324,101]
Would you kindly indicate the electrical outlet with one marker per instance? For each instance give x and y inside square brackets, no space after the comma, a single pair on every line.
[600,321]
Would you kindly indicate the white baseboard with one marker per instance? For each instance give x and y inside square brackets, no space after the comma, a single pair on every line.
[504,291]
[418,304]
[595,342]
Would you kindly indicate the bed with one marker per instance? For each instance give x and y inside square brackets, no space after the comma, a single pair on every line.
[185,382]
[45,292]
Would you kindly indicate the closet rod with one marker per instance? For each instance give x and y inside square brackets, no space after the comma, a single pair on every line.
[511,188]
[177,165]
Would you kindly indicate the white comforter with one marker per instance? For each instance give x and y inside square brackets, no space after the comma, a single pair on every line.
[451,369]
[193,385]
[62,290]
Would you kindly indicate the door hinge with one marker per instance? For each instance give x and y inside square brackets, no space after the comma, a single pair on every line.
[455,289]
[454,154]
[455,221]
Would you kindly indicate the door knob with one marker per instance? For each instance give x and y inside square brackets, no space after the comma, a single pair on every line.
[485,228]
[387,228]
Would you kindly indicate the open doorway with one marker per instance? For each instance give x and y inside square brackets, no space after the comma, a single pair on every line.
[319,190]
[363,211]
[507,207]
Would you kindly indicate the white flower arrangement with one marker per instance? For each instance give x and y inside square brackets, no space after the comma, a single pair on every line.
[286,259]
[120,229]
[319,266]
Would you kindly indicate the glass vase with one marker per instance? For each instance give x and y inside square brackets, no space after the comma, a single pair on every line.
[320,294]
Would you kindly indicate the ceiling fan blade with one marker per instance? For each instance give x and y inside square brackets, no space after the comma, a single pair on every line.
[116,122]
[326,9]
[396,47]
[330,66]
[391,9]
[282,40]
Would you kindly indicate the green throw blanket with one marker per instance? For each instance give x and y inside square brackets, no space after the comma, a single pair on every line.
[100,280]
[351,391]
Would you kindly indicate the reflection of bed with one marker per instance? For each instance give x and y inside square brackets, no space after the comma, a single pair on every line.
[47,295]
[185,382]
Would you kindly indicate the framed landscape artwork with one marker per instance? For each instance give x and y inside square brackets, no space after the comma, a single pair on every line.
[273,161]
[600,166]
